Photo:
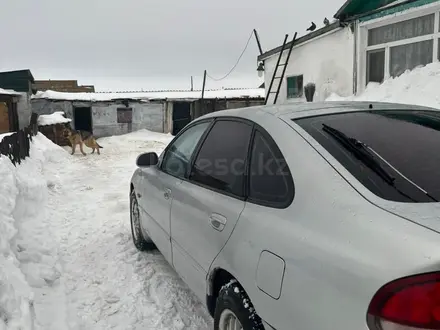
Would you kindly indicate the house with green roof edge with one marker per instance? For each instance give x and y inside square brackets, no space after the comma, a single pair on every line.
[369,41]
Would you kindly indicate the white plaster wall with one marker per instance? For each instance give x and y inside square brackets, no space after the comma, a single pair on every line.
[24,110]
[47,107]
[326,61]
[149,116]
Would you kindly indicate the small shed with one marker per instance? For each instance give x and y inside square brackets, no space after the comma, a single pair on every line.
[20,83]
[53,126]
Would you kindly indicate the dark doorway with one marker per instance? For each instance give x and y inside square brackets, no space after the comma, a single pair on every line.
[181,116]
[83,119]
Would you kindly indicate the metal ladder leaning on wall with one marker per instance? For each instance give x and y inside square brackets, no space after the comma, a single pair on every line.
[284,65]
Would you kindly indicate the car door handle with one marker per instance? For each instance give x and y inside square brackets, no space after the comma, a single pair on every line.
[167,194]
[218,222]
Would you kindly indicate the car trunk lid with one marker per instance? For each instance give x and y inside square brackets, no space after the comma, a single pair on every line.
[424,214]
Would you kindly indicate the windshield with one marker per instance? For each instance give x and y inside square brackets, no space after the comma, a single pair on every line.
[408,140]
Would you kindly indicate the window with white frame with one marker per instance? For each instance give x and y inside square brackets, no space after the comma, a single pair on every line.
[392,49]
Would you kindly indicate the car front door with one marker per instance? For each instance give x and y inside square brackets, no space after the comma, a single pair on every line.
[207,205]
[160,181]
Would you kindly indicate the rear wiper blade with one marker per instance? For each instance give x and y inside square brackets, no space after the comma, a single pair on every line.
[366,155]
[360,151]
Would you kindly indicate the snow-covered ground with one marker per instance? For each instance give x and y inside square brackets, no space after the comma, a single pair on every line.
[65,245]
[67,261]
[419,86]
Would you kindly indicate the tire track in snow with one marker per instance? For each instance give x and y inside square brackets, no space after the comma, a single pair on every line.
[109,284]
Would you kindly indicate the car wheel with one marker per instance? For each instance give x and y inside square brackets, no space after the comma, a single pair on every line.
[234,310]
[142,243]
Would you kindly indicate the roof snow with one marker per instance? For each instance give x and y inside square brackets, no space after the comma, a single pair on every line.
[53,119]
[153,95]
[8,92]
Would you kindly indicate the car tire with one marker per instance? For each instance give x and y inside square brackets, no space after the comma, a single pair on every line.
[233,302]
[140,242]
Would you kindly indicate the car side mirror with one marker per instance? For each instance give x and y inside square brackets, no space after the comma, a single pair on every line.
[147,159]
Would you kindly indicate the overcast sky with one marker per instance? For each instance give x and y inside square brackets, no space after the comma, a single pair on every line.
[141,44]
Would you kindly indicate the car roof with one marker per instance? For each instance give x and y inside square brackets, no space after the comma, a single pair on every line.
[307,109]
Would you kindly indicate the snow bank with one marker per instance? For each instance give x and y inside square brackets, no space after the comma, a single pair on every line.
[26,260]
[52,119]
[5,134]
[153,95]
[419,86]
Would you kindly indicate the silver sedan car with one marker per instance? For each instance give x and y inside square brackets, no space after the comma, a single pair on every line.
[313,216]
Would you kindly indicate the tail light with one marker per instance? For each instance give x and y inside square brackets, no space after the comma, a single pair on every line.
[408,303]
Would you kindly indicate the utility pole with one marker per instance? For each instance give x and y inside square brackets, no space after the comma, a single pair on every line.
[202,103]
[192,84]
[203,86]
[258,42]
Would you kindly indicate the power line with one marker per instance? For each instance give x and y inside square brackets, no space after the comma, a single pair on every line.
[235,65]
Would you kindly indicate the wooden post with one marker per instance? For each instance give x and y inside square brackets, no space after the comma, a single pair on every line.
[258,42]
[202,102]
[55,135]
[204,83]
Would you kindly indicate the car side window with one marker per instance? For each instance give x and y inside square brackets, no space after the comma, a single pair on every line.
[270,180]
[177,158]
[221,161]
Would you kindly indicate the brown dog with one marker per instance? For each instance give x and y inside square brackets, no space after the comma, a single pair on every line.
[80,138]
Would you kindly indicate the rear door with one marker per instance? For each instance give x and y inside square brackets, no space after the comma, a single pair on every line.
[206,207]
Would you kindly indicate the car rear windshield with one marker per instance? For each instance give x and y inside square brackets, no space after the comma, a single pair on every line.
[406,143]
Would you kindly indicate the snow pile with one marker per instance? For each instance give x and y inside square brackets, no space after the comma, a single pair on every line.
[26,260]
[136,143]
[153,95]
[15,293]
[142,135]
[67,260]
[5,134]
[52,119]
[419,86]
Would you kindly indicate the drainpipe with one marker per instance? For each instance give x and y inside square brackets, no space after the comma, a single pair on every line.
[355,57]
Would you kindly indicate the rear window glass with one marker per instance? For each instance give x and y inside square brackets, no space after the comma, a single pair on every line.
[407,140]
